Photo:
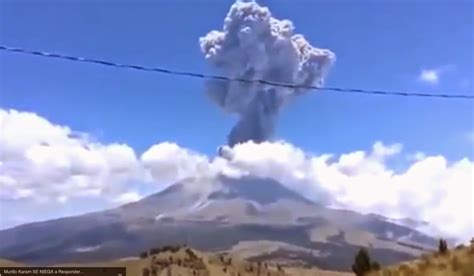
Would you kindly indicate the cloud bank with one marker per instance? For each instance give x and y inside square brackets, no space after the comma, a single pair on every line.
[44,163]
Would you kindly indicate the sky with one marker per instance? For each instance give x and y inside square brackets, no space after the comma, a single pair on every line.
[413,46]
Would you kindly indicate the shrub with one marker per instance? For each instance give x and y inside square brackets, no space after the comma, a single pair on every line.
[375,266]
[442,246]
[471,250]
[191,254]
[363,264]
[155,250]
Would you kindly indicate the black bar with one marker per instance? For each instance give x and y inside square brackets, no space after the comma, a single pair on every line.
[63,271]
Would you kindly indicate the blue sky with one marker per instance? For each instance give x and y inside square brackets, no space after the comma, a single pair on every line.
[379,45]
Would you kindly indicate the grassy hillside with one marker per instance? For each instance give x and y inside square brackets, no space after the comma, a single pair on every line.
[454,262]
[185,261]
[8,263]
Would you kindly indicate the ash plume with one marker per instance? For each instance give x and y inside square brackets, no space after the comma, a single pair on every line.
[255,45]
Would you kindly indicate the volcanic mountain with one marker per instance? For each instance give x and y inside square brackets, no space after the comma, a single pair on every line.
[236,215]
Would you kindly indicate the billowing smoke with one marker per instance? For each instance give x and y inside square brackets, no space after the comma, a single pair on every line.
[254,45]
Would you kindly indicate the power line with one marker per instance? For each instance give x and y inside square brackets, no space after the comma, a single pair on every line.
[222,78]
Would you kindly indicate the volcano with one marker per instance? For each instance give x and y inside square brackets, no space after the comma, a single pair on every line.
[218,214]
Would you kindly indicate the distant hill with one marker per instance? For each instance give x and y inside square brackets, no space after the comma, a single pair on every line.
[218,214]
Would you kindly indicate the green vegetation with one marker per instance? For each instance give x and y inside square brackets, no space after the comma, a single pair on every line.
[143,255]
[443,246]
[363,264]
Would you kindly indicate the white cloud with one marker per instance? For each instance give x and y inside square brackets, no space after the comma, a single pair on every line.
[433,75]
[62,199]
[127,197]
[167,162]
[50,166]
[431,189]
[430,76]
[88,249]
[42,162]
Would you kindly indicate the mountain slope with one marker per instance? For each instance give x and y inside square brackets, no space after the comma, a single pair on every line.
[215,214]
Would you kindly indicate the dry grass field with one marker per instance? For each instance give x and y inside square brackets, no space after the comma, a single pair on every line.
[184,261]
[455,262]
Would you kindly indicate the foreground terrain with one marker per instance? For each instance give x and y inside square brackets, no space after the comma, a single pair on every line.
[455,262]
[184,261]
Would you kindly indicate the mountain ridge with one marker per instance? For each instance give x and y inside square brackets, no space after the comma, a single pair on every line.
[213,214]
